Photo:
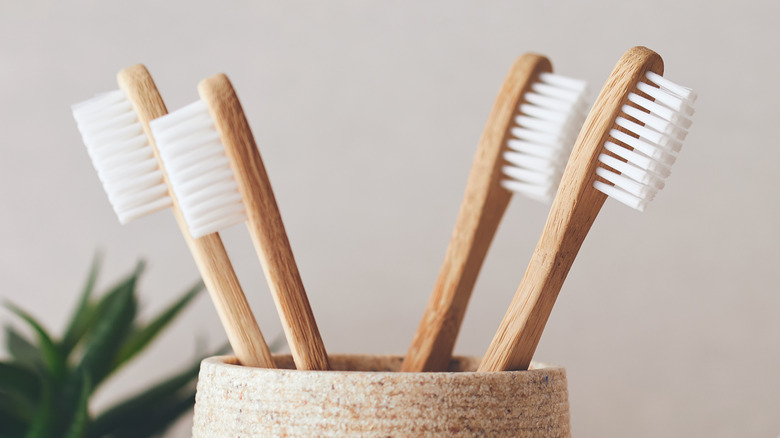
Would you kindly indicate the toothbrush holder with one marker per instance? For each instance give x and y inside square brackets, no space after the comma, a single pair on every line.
[367,396]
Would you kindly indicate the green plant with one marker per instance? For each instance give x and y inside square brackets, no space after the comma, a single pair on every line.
[46,385]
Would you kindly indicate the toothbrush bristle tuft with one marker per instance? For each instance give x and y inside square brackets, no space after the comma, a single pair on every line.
[122,155]
[640,155]
[198,169]
[544,132]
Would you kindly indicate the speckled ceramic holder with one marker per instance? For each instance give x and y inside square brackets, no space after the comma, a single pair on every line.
[367,397]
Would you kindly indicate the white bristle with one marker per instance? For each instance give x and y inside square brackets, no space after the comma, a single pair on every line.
[684,92]
[651,135]
[667,98]
[544,133]
[639,160]
[122,155]
[643,176]
[661,111]
[648,150]
[529,162]
[536,150]
[199,171]
[651,121]
[563,81]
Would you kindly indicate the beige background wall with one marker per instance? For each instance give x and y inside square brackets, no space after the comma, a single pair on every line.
[367,115]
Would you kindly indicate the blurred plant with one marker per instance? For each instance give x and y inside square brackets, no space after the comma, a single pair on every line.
[46,386]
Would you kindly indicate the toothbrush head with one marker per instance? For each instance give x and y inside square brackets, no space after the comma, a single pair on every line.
[199,170]
[549,117]
[122,154]
[644,141]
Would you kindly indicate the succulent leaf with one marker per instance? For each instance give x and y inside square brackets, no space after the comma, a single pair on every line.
[49,352]
[45,418]
[22,350]
[139,338]
[116,313]
[45,395]
[18,380]
[80,418]
[157,420]
[137,408]
[79,323]
[13,427]
[14,408]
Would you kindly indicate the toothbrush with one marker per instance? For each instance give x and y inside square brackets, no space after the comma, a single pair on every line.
[624,150]
[529,133]
[218,175]
[115,129]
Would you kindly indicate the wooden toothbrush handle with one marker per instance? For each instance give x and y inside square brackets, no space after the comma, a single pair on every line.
[574,209]
[265,225]
[233,309]
[480,213]
[210,256]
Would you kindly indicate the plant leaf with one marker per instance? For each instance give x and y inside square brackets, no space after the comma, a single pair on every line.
[13,427]
[157,421]
[22,350]
[17,407]
[141,337]
[12,406]
[42,424]
[138,408]
[95,311]
[68,400]
[80,417]
[79,323]
[49,352]
[117,311]
[19,380]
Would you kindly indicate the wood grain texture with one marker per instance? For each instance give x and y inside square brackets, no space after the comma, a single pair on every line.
[574,209]
[480,213]
[265,224]
[210,256]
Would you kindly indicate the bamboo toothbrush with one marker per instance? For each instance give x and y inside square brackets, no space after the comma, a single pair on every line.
[528,135]
[217,173]
[115,128]
[625,150]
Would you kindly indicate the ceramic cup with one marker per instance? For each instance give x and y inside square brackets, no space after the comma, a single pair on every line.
[366,396]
